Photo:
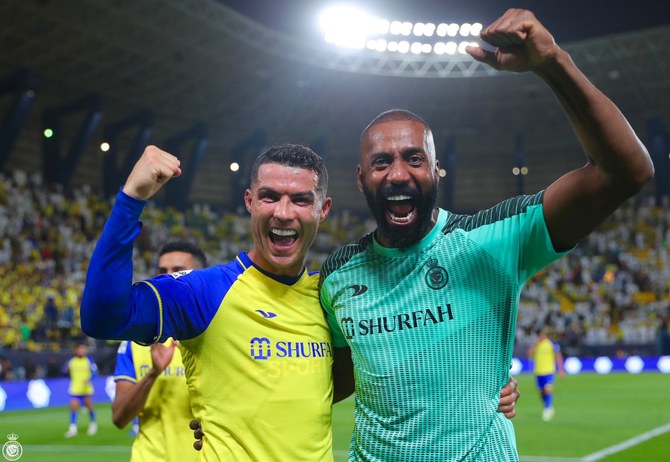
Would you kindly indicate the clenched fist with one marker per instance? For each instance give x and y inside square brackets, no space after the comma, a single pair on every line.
[151,172]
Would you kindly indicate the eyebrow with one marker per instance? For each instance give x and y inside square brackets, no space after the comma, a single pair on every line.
[268,190]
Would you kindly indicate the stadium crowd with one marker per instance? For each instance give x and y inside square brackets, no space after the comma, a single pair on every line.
[614,289]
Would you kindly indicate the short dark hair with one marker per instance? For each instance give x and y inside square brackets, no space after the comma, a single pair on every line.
[187,247]
[294,155]
[393,115]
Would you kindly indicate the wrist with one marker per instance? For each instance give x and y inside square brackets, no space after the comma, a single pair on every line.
[154,373]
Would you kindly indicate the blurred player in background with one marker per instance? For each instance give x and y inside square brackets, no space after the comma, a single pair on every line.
[81,370]
[546,355]
[151,384]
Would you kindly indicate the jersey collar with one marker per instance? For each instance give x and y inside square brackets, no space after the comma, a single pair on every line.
[419,246]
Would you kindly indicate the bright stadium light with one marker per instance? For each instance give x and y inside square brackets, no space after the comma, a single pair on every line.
[452,29]
[234,167]
[104,146]
[517,367]
[451,47]
[476,29]
[419,29]
[396,28]
[346,26]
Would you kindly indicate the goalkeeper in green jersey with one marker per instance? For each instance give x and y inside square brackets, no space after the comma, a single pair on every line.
[426,305]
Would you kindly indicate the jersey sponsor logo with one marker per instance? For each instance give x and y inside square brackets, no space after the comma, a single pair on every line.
[436,276]
[181,273]
[359,289]
[262,348]
[267,315]
[169,371]
[397,322]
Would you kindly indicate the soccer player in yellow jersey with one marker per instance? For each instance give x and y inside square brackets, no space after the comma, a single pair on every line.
[81,369]
[151,384]
[546,355]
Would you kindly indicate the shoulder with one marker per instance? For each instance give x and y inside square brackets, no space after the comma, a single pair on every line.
[341,256]
[512,207]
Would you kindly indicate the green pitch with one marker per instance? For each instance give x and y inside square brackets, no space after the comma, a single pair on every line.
[598,418]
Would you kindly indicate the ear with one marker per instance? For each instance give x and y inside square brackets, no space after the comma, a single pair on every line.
[248,198]
[325,208]
[437,170]
[359,177]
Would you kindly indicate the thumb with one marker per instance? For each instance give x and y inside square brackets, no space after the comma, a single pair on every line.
[481,55]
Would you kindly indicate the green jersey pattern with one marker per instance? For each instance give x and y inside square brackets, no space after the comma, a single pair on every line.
[431,331]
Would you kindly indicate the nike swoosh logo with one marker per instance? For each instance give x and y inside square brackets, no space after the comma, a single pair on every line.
[358,289]
[267,315]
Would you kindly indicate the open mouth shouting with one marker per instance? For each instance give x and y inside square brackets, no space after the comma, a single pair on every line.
[400,209]
[283,239]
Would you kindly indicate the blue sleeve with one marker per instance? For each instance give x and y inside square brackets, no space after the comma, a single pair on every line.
[94,367]
[111,306]
[179,305]
[125,366]
[188,300]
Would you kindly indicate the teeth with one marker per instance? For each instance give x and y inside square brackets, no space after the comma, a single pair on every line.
[399,197]
[284,232]
[402,219]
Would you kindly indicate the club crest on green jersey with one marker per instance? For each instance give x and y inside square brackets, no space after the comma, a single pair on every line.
[436,276]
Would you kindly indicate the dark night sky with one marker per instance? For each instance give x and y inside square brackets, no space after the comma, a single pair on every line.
[568,20]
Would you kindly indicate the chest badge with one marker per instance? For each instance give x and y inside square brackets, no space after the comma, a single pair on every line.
[436,276]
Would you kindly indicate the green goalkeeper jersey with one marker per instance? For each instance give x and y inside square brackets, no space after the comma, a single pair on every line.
[431,331]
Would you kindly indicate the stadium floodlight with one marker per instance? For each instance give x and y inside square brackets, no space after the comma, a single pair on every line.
[419,29]
[234,167]
[416,48]
[347,26]
[476,29]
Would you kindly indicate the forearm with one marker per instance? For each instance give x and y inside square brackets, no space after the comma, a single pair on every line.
[107,310]
[343,375]
[129,403]
[603,131]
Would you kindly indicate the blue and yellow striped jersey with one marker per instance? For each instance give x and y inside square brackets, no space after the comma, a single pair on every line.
[258,358]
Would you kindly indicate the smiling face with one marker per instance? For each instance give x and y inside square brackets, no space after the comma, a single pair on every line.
[398,174]
[286,208]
